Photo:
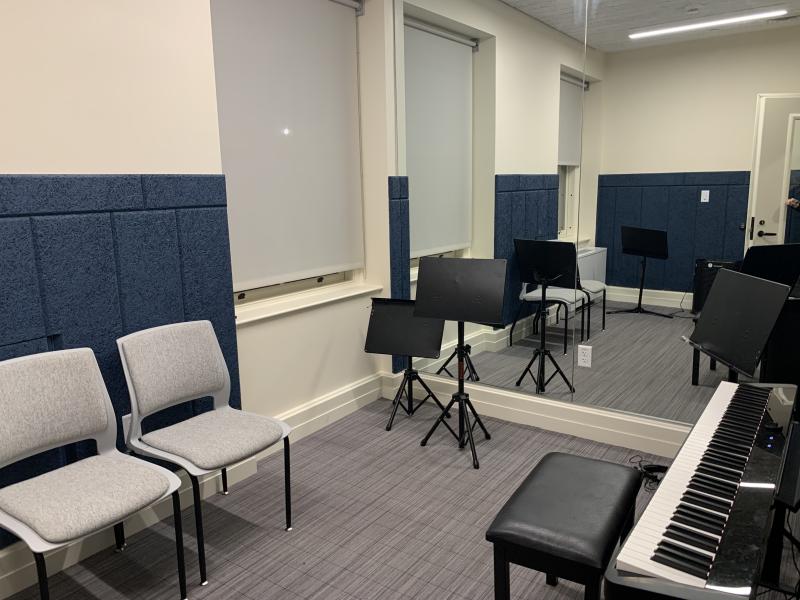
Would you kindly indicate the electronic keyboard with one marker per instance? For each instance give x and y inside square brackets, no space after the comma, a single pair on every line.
[704,532]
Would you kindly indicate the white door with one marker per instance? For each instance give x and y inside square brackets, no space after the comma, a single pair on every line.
[766,210]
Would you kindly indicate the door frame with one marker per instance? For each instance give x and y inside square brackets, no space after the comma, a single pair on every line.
[761,100]
[793,119]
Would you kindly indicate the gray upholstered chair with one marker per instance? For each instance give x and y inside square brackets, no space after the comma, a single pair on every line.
[50,400]
[172,364]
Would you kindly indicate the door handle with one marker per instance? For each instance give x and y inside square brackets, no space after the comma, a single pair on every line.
[762,233]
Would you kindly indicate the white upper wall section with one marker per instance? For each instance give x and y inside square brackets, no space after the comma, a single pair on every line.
[92,86]
[691,107]
[529,56]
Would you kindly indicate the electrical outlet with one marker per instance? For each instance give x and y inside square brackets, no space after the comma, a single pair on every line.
[705,195]
[584,356]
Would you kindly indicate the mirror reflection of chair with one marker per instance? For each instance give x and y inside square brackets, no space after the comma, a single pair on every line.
[393,329]
[592,288]
[48,401]
[172,364]
[548,264]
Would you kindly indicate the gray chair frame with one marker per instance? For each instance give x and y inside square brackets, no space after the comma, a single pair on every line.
[221,398]
[106,446]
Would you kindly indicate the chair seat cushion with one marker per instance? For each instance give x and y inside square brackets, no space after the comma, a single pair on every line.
[555,294]
[592,286]
[569,507]
[218,438]
[84,497]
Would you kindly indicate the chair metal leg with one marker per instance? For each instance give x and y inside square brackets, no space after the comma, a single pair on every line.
[198,519]
[566,323]
[592,590]
[41,573]
[176,510]
[224,482]
[119,537]
[287,488]
[502,577]
[604,309]
[713,364]
[551,579]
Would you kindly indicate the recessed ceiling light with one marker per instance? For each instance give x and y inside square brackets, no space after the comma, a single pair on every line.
[707,24]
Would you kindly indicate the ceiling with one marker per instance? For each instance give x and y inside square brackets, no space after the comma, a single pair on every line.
[610,21]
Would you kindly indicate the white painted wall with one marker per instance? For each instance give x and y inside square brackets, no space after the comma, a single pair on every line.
[691,106]
[91,86]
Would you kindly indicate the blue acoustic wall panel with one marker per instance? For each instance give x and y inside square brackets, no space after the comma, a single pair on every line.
[526,207]
[399,248]
[671,202]
[87,259]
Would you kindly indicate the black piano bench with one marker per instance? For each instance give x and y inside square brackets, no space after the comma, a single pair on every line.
[565,520]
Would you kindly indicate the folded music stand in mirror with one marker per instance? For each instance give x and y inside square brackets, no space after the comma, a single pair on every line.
[463,290]
[393,329]
[737,320]
[646,243]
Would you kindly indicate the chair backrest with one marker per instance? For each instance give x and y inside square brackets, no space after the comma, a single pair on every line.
[779,263]
[172,364]
[52,399]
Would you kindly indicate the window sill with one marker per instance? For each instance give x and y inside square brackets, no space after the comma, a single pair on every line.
[261,310]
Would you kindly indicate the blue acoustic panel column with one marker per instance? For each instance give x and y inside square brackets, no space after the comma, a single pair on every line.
[709,223]
[79,285]
[208,283]
[399,248]
[628,211]
[680,238]
[655,215]
[47,194]
[526,207]
[606,209]
[21,316]
[735,222]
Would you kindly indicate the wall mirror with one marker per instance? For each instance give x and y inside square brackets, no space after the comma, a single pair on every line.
[491,97]
[668,145]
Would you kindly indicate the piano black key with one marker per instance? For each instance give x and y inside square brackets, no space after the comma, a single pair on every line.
[741,433]
[722,448]
[680,565]
[732,442]
[693,538]
[703,515]
[701,487]
[716,464]
[715,483]
[702,560]
[715,473]
[706,502]
[737,462]
[723,462]
[684,520]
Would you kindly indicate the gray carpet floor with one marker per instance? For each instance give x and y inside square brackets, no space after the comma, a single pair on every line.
[640,364]
[375,515]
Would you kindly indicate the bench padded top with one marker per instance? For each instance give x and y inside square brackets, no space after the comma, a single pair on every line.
[569,507]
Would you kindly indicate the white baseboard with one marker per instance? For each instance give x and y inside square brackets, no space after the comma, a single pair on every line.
[646,434]
[651,297]
[17,570]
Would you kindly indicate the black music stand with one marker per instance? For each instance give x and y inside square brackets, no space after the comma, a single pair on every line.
[393,329]
[472,372]
[647,243]
[545,263]
[461,289]
[779,263]
[737,319]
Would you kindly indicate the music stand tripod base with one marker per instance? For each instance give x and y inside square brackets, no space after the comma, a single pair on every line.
[639,311]
[472,373]
[407,389]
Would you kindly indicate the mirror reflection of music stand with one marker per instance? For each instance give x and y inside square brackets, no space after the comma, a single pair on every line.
[737,319]
[545,263]
[393,329]
[462,290]
[647,243]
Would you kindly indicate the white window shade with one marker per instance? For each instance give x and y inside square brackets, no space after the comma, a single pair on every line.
[569,123]
[287,92]
[438,80]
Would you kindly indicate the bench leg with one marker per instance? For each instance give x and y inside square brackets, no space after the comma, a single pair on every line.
[592,590]
[695,366]
[551,579]
[502,581]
